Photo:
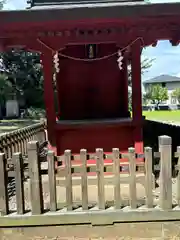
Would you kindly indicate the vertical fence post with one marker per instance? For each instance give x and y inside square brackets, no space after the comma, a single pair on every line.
[84,189]
[52,180]
[165,148]
[25,144]
[69,189]
[116,168]
[4,207]
[35,178]
[100,177]
[18,165]
[178,176]
[148,177]
[42,135]
[132,172]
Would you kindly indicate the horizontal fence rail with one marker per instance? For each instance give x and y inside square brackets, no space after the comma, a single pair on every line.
[99,211]
[16,141]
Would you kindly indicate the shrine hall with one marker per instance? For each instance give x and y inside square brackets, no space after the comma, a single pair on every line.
[92,50]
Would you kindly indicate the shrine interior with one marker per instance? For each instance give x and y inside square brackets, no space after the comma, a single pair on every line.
[90,85]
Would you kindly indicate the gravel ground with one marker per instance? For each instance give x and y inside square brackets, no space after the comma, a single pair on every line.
[61,195]
[92,194]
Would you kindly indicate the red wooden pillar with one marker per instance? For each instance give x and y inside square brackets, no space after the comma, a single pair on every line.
[125,84]
[58,92]
[47,63]
[136,95]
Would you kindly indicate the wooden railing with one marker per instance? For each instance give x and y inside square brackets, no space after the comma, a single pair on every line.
[150,208]
[16,141]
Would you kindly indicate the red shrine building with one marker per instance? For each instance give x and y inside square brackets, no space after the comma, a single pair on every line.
[86,47]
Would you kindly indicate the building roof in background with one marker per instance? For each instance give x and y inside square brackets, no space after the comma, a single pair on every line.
[162,79]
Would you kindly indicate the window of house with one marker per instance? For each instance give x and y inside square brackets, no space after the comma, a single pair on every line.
[163,84]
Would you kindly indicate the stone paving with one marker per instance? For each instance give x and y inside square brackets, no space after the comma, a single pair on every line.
[61,193]
[123,231]
[92,194]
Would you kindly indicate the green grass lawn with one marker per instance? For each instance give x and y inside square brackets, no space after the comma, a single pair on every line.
[171,116]
[11,125]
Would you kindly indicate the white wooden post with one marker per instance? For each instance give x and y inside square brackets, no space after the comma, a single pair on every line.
[35,178]
[116,169]
[52,180]
[100,177]
[178,176]
[84,185]
[148,177]
[132,173]
[69,189]
[165,148]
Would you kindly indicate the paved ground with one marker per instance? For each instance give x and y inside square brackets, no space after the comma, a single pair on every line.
[61,194]
[123,231]
[92,194]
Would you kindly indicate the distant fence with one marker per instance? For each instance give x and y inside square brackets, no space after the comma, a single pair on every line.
[164,107]
[152,209]
[16,141]
[153,129]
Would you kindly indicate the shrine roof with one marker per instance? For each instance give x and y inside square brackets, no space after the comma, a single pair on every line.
[46,4]
[107,10]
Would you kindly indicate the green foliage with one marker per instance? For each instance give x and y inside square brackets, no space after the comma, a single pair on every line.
[6,89]
[157,94]
[24,72]
[129,100]
[1,4]
[176,94]
[35,113]
[145,65]
[144,99]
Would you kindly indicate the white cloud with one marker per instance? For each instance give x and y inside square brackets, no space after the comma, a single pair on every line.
[167,59]
[15,4]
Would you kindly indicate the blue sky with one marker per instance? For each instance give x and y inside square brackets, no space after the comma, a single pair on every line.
[167,58]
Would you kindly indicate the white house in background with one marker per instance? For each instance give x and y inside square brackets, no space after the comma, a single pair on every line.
[167,81]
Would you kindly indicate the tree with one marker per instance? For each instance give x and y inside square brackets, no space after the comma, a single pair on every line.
[1,4]
[176,94]
[145,66]
[24,73]
[157,94]
[6,89]
[144,99]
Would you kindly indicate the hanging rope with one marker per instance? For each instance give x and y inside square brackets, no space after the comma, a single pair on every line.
[86,59]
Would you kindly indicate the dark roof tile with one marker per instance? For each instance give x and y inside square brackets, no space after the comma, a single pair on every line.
[162,79]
